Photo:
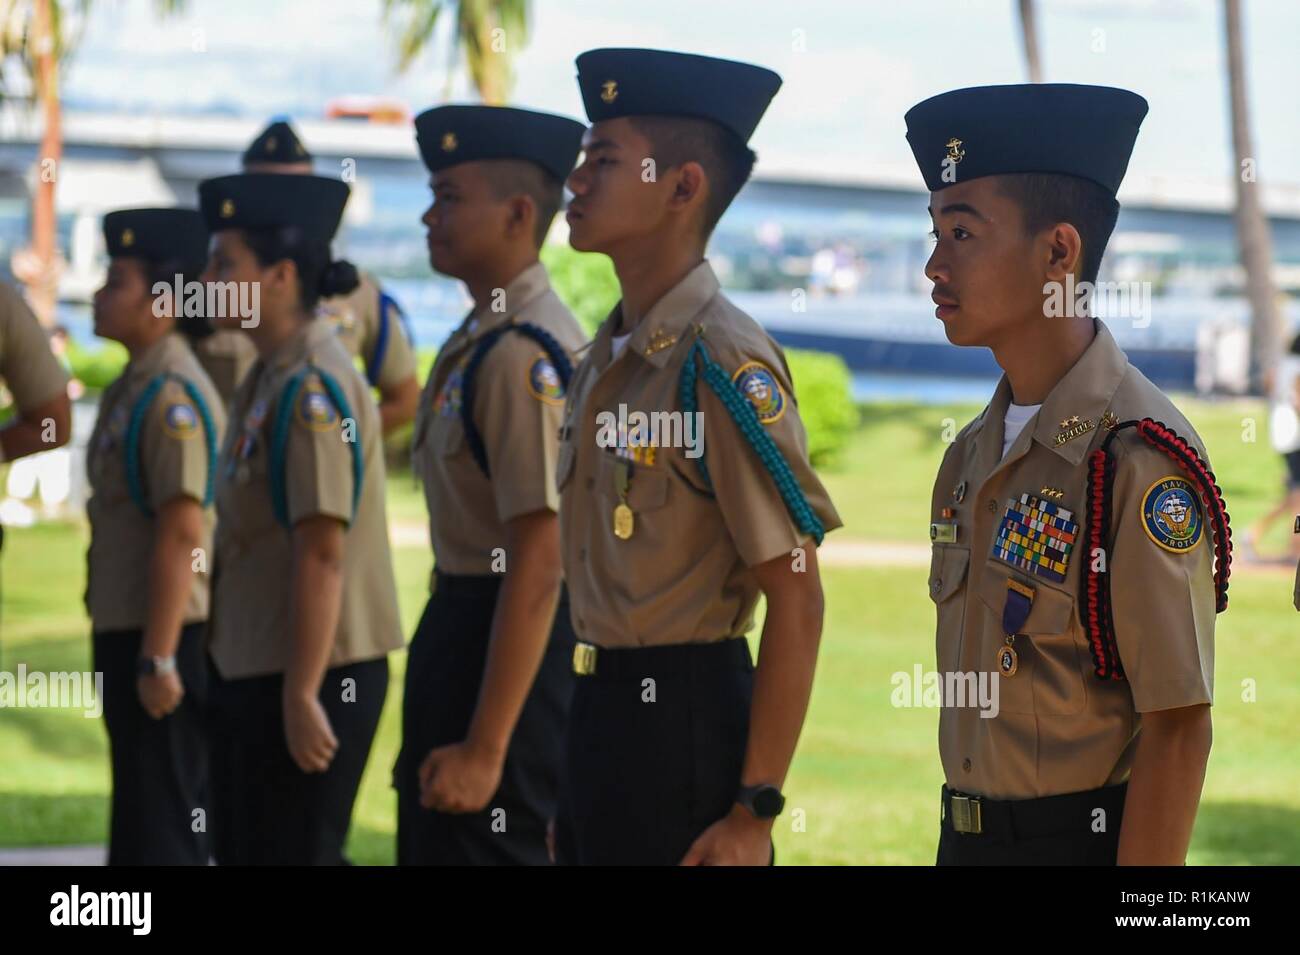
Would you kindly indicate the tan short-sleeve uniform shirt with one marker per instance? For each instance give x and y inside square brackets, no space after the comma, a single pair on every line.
[27,366]
[172,457]
[1059,728]
[683,575]
[250,627]
[370,328]
[226,355]
[518,401]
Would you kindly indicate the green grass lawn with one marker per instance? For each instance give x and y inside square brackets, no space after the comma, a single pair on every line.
[865,781]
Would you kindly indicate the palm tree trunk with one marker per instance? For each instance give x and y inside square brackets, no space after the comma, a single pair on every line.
[1029,34]
[1252,225]
[40,266]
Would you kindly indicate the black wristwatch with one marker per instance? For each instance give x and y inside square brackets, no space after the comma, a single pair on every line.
[154,666]
[763,801]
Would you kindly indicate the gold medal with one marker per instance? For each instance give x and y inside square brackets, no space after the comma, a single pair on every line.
[623,521]
[1008,661]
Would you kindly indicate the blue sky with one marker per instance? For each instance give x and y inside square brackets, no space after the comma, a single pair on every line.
[862,63]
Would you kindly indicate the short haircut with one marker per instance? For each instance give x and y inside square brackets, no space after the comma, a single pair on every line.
[727,161]
[513,177]
[1048,198]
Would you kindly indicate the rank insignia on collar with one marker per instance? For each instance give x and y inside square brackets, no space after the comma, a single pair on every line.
[1072,427]
[659,341]
[1037,537]
[1109,420]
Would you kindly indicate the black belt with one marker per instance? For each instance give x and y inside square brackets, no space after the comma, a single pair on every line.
[1030,818]
[678,659]
[466,585]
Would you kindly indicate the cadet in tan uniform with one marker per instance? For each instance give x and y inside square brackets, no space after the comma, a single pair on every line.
[304,603]
[35,379]
[151,463]
[1081,545]
[489,676]
[368,320]
[672,525]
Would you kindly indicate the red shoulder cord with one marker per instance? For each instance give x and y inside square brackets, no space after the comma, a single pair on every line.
[1095,609]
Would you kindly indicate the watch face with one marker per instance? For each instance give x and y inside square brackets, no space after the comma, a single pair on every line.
[768,802]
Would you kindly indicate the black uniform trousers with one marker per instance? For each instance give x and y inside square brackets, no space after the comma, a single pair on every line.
[444,671]
[1051,830]
[267,811]
[650,766]
[160,767]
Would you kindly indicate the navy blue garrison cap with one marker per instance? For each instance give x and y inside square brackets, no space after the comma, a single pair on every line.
[449,135]
[1061,128]
[269,200]
[622,82]
[278,143]
[157,235]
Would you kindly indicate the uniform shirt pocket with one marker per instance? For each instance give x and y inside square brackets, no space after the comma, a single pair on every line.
[948,567]
[447,437]
[564,463]
[1051,658]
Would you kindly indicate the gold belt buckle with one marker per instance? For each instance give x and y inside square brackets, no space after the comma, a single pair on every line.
[966,814]
[584,659]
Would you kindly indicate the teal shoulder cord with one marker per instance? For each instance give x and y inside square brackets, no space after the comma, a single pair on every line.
[280,440]
[134,428]
[742,412]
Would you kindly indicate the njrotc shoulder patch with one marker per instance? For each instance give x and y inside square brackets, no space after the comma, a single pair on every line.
[1171,514]
[1036,536]
[315,410]
[544,381]
[757,383]
[180,421]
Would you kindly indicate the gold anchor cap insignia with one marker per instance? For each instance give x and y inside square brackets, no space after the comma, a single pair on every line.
[128,237]
[449,142]
[227,208]
[270,144]
[609,91]
[955,152]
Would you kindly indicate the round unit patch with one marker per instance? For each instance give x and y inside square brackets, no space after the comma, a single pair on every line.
[180,421]
[316,411]
[757,383]
[544,381]
[1171,514]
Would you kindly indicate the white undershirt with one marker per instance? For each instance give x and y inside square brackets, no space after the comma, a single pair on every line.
[1017,417]
[617,343]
